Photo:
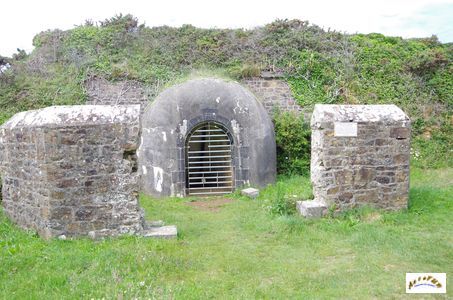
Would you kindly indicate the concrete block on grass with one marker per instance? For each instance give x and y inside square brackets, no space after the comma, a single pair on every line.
[311,209]
[165,232]
[250,192]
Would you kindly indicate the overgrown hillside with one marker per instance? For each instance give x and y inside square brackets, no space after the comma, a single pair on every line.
[320,66]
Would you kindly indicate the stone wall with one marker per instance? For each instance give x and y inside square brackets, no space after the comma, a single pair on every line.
[360,155]
[71,170]
[274,94]
[103,92]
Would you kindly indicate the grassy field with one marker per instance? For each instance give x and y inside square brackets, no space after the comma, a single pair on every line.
[236,248]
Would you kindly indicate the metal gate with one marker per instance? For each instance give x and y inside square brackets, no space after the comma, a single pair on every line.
[209,168]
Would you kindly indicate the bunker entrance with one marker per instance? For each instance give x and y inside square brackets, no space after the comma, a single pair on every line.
[208,166]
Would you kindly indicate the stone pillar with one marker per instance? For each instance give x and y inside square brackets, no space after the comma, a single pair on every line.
[360,155]
[71,170]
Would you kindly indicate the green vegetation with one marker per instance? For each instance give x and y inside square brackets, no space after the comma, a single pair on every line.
[280,199]
[320,66]
[237,249]
[241,248]
[292,135]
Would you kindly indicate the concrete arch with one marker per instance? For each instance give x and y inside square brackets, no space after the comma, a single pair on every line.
[176,111]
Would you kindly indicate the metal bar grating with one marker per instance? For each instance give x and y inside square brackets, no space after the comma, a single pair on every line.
[208,161]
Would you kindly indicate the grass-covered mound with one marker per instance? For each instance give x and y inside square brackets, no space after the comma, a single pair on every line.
[320,66]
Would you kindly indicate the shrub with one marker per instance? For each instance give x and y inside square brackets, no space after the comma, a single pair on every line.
[279,204]
[321,67]
[442,83]
[280,198]
[128,22]
[313,79]
[433,148]
[292,135]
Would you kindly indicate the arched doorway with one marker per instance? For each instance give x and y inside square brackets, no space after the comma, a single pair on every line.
[192,114]
[208,160]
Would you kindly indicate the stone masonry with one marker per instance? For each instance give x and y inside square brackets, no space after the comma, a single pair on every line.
[103,92]
[360,155]
[71,170]
[274,94]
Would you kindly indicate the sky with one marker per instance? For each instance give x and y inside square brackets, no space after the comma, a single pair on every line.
[21,20]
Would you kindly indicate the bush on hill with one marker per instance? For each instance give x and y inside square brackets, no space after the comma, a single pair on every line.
[320,66]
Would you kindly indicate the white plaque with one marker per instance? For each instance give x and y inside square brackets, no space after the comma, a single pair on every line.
[345,129]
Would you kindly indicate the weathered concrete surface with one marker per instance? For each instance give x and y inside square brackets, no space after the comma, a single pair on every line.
[71,170]
[164,232]
[176,111]
[311,209]
[360,155]
[250,192]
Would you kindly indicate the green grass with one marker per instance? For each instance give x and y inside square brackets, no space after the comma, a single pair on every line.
[242,251]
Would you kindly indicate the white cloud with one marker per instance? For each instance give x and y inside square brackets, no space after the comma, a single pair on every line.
[21,20]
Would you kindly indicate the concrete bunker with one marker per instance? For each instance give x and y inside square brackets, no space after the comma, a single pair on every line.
[205,137]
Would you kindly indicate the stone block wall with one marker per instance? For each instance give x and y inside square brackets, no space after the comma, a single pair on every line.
[274,94]
[360,155]
[71,170]
[103,92]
